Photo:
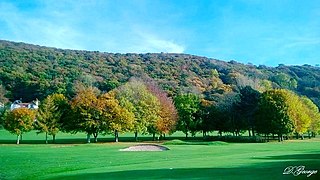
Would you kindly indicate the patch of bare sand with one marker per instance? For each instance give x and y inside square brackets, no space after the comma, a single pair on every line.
[145,147]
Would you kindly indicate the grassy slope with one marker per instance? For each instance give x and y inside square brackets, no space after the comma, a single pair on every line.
[104,161]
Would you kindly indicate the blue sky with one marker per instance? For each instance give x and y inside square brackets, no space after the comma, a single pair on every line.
[268,32]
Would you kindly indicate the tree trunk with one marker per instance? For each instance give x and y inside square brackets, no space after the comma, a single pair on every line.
[116,136]
[253,132]
[302,137]
[249,133]
[46,138]
[136,136]
[220,132]
[297,136]
[95,135]
[309,135]
[53,138]
[164,136]
[153,136]
[88,138]
[18,139]
[186,135]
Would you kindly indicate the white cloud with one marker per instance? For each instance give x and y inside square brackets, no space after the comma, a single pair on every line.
[37,29]
[155,44]
[148,42]
[69,26]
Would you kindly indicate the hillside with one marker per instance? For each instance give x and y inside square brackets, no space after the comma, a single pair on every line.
[29,72]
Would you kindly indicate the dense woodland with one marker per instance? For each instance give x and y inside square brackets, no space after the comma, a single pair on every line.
[222,96]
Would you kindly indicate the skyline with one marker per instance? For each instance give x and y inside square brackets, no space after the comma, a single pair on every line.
[248,31]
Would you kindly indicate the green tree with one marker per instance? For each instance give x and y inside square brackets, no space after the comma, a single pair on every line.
[247,107]
[19,121]
[187,106]
[206,117]
[141,102]
[3,99]
[272,114]
[285,81]
[108,85]
[227,119]
[2,116]
[49,115]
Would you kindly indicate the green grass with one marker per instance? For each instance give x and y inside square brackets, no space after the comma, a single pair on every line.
[80,138]
[182,161]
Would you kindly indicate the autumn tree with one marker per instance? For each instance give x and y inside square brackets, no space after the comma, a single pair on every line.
[187,106]
[313,112]
[297,112]
[19,121]
[168,113]
[87,115]
[143,104]
[117,118]
[49,115]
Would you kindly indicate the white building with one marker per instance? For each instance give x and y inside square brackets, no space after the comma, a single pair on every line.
[18,104]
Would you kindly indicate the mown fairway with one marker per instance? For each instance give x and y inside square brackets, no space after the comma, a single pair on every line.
[105,161]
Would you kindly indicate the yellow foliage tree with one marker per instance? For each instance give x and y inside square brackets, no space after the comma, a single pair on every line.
[118,119]
[297,112]
[19,121]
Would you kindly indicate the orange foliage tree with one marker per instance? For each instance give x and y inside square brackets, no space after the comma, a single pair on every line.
[168,113]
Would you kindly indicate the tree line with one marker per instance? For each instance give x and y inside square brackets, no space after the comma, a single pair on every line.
[141,106]
[277,112]
[133,107]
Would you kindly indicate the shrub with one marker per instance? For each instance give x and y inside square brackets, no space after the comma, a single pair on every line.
[180,142]
[236,139]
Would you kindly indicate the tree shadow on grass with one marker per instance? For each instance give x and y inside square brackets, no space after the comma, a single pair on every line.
[194,173]
[296,157]
[83,140]
[263,170]
[58,141]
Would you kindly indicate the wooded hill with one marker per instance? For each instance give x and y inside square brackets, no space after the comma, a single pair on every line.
[30,71]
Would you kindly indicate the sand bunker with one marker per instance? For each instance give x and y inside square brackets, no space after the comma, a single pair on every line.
[145,147]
